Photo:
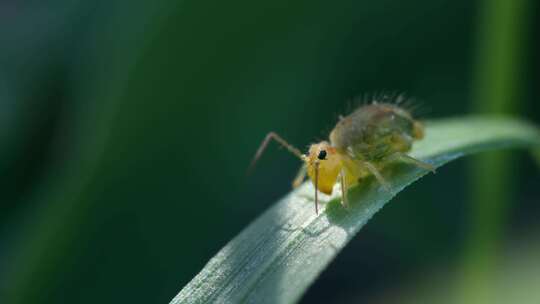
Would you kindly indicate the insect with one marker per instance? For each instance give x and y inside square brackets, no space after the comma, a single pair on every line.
[361,144]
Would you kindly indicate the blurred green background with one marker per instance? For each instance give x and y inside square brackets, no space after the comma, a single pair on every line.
[126,128]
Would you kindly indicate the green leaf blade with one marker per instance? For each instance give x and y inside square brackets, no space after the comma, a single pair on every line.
[278,256]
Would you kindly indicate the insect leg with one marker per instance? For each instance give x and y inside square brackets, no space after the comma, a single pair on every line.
[344,200]
[264,144]
[317,188]
[300,176]
[411,160]
[373,170]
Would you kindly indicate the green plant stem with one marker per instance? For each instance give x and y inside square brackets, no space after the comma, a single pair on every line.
[500,45]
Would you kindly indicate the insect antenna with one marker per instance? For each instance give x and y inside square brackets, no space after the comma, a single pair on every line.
[264,144]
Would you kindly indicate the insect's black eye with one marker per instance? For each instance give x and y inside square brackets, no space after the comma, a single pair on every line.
[322,154]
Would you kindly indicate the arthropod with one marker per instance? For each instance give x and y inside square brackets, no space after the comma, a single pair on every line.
[360,144]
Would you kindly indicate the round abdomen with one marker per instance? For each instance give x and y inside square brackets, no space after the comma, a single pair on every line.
[375,131]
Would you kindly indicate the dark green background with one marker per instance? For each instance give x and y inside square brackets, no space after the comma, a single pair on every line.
[126,128]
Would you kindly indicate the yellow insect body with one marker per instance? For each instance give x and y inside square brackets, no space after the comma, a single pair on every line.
[361,144]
